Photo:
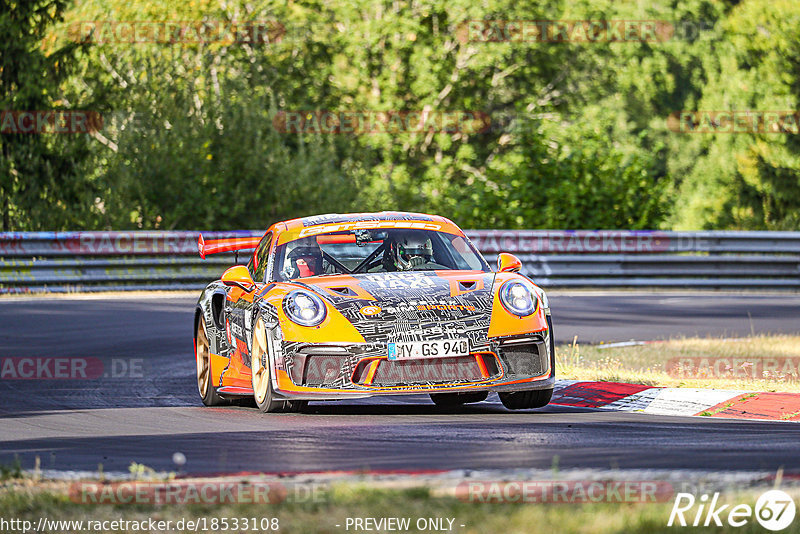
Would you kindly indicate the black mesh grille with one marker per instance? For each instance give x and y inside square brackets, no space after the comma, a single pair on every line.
[323,369]
[528,359]
[434,370]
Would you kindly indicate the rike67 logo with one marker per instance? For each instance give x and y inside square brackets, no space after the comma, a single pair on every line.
[774,510]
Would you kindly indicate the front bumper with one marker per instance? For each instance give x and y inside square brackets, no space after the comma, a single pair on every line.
[320,371]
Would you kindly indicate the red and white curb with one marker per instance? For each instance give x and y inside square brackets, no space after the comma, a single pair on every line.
[678,401]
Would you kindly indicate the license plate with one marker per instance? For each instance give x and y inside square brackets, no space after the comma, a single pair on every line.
[440,348]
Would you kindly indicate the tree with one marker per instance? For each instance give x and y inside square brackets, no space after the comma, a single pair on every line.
[40,187]
[748,180]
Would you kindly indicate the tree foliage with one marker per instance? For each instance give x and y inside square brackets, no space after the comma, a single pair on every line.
[40,186]
[578,135]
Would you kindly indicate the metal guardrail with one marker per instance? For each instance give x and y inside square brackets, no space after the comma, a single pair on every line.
[96,261]
[100,261]
[618,258]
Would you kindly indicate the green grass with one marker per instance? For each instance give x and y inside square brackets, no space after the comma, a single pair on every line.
[25,500]
[12,470]
[646,364]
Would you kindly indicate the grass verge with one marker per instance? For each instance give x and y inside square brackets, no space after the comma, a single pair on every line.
[756,363]
[31,502]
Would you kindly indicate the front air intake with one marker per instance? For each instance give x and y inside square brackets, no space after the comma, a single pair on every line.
[525,357]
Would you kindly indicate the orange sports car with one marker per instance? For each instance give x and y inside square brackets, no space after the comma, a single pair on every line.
[346,306]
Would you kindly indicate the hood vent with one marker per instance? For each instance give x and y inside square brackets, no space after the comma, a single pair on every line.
[466,285]
[343,291]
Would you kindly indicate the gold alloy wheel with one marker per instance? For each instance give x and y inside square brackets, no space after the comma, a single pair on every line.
[203,357]
[260,372]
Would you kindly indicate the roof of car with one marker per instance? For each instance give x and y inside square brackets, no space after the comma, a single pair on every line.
[333,218]
[305,226]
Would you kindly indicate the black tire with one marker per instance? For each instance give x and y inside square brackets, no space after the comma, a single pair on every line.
[538,398]
[260,371]
[456,399]
[523,400]
[202,356]
[295,406]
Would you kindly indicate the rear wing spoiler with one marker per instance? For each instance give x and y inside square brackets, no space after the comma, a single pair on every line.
[226,245]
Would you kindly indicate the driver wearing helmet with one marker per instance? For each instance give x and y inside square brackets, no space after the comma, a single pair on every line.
[305,259]
[411,250]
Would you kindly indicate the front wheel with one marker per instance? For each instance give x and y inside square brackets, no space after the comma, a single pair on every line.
[259,366]
[537,398]
[202,354]
[523,400]
[261,380]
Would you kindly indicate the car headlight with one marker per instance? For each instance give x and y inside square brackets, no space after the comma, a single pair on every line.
[304,308]
[518,298]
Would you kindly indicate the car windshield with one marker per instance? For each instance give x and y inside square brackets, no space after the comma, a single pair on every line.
[375,251]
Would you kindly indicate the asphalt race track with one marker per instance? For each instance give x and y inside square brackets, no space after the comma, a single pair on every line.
[145,406]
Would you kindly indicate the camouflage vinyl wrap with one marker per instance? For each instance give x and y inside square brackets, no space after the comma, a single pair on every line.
[413,306]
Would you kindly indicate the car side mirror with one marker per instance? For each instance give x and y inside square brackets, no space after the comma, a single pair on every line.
[508,263]
[238,276]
